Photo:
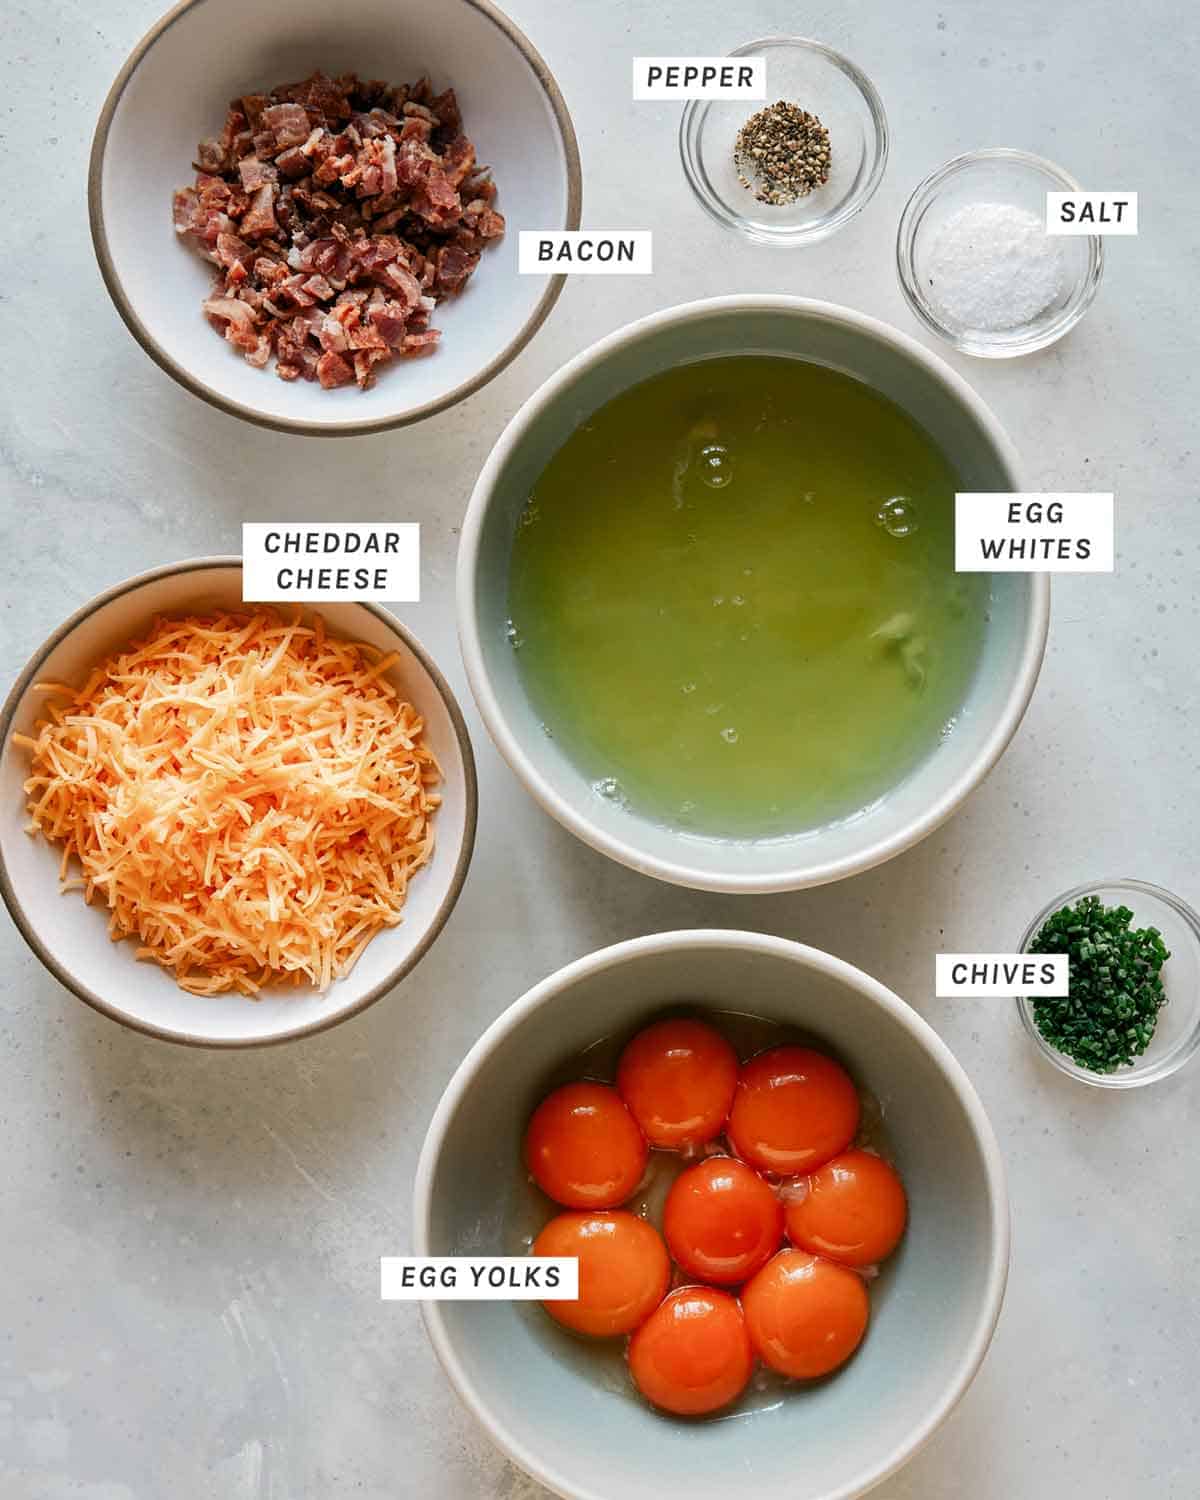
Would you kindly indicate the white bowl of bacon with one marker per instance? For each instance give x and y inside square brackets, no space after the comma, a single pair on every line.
[309,218]
[225,824]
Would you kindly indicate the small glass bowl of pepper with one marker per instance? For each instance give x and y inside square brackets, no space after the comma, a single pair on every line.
[1115,969]
[814,79]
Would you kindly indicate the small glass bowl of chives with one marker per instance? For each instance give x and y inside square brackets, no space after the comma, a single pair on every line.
[1176,1032]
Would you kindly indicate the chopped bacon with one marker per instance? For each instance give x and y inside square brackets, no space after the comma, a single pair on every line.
[373,254]
[459,159]
[366,336]
[237,320]
[294,288]
[333,335]
[326,258]
[331,169]
[332,370]
[236,124]
[211,156]
[404,282]
[479,187]
[259,220]
[255,173]
[184,208]
[442,193]
[390,321]
[288,123]
[337,213]
[292,163]
[232,251]
[268,271]
[416,130]
[445,109]
[413,160]
[252,106]
[454,265]
[387,165]
[326,96]
[365,361]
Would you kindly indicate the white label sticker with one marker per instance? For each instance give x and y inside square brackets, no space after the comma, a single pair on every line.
[309,562]
[1091,213]
[699,78]
[479,1278]
[1030,533]
[593,252]
[969,976]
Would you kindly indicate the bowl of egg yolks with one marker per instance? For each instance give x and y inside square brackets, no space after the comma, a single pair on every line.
[787,1204]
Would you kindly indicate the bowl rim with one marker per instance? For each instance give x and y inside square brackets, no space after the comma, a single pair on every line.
[614,956]
[308,427]
[678,871]
[978,342]
[136,1023]
[1140,1073]
[691,125]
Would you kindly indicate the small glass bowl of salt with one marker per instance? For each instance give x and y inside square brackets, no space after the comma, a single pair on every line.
[976,263]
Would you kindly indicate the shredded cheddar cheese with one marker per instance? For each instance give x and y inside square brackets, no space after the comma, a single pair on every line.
[248,796]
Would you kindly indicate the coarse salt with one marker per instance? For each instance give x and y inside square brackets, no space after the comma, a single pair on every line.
[991,266]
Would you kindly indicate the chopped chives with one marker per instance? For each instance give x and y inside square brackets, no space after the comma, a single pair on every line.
[1116,988]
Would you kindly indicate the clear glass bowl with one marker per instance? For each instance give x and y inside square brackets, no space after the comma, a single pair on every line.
[844,99]
[1177,1032]
[998,175]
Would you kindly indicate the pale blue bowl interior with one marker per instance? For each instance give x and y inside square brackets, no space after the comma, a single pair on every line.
[932,1307]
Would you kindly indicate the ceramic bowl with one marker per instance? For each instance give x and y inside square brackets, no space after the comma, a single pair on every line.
[955,418]
[71,938]
[174,91]
[539,1393]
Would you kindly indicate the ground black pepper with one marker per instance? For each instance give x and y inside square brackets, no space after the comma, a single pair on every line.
[782,153]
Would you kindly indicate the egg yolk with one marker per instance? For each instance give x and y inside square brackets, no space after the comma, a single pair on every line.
[692,1356]
[853,1209]
[583,1148]
[805,1316]
[793,1109]
[721,1221]
[624,1270]
[678,1077]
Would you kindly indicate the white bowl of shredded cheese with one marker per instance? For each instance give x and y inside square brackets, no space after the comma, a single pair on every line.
[273,811]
